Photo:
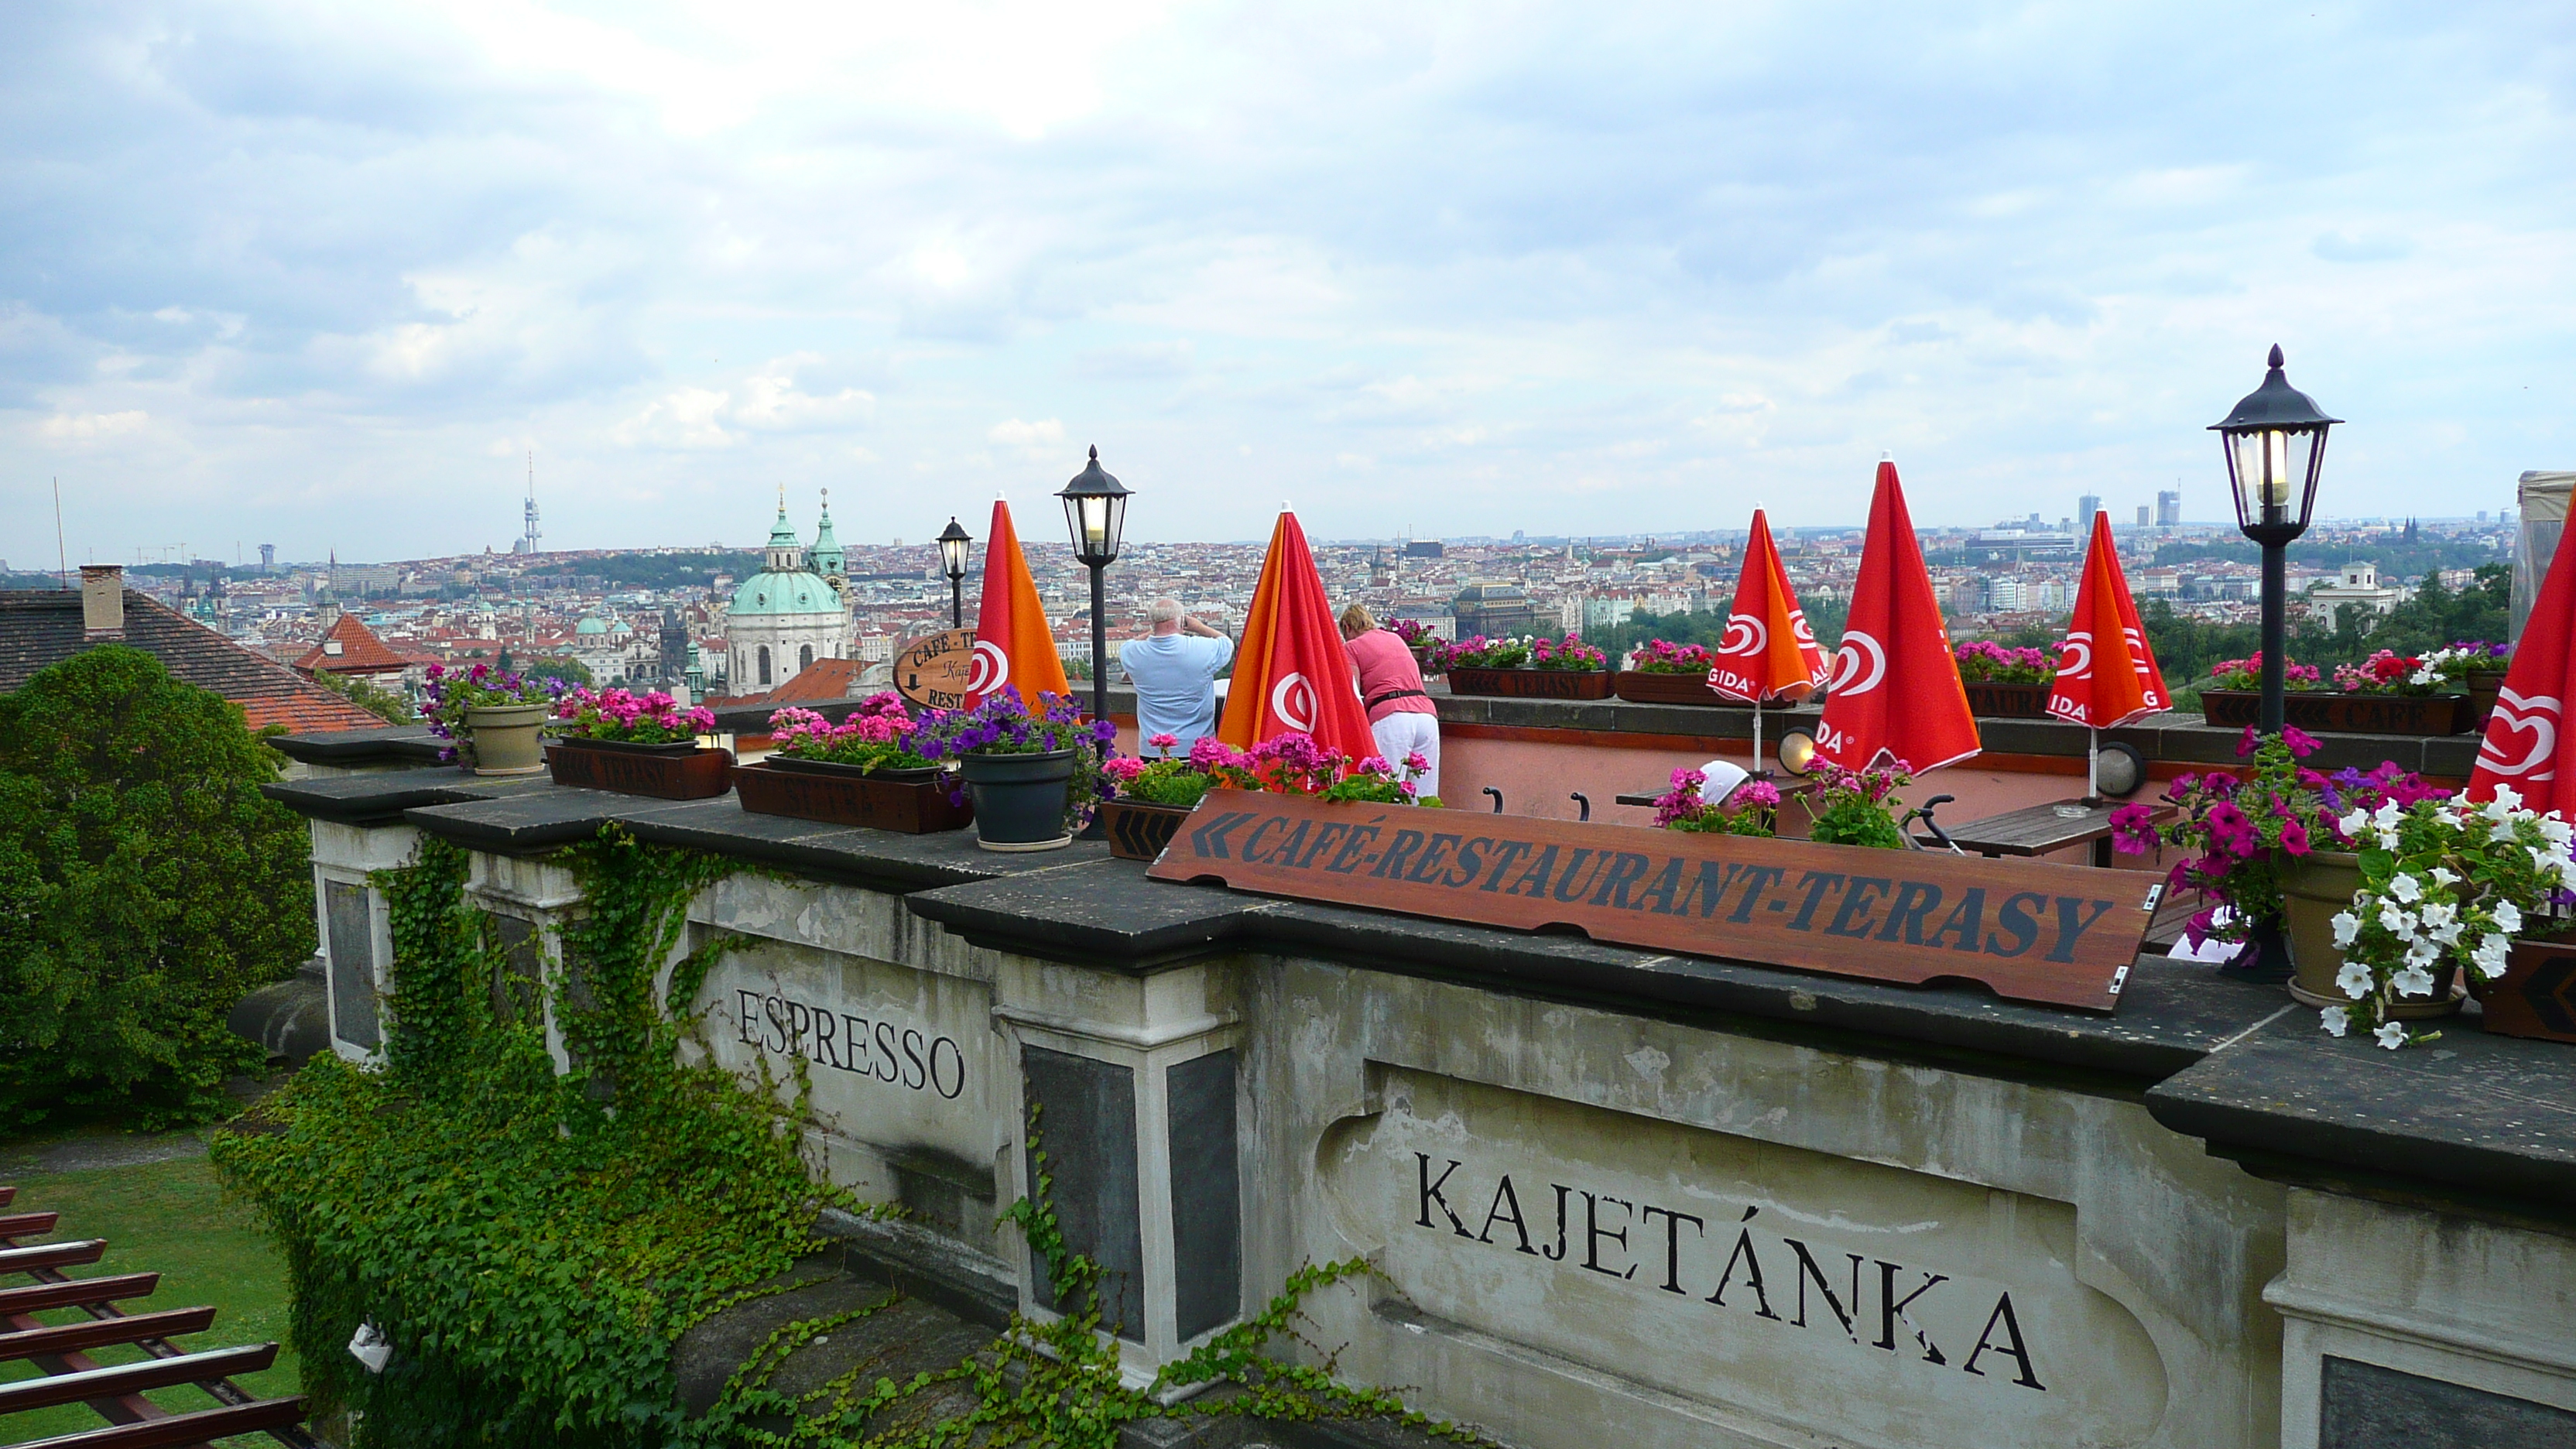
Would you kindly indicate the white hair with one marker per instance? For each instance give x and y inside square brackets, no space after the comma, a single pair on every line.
[1165,610]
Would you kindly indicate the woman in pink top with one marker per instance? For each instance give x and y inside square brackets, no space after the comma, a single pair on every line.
[1400,713]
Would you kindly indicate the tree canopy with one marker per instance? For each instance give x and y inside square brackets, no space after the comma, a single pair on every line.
[145,886]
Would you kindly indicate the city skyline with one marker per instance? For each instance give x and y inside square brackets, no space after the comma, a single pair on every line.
[326,281]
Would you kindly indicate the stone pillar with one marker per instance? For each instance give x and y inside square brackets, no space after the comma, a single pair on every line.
[528,900]
[1136,1077]
[357,939]
[2409,1329]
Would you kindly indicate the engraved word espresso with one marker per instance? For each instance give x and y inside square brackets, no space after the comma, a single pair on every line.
[2030,930]
[899,1055]
[1758,1271]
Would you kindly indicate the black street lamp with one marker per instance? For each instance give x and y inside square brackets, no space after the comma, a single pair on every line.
[1095,509]
[953,544]
[2276,446]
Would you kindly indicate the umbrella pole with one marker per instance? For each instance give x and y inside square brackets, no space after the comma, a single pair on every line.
[1757,737]
[2092,765]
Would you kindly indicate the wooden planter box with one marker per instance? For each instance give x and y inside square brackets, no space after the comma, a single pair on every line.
[1994,699]
[664,772]
[1139,831]
[1644,688]
[907,802]
[1532,683]
[2360,714]
[2536,995]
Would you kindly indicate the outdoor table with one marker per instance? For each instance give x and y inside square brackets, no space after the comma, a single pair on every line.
[2039,829]
[1786,787]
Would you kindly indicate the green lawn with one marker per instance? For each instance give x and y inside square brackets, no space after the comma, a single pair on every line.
[170,1218]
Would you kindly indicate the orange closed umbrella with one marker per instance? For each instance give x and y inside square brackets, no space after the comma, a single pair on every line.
[1769,652]
[1014,648]
[1291,672]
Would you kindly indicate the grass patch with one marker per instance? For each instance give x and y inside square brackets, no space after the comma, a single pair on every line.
[171,1218]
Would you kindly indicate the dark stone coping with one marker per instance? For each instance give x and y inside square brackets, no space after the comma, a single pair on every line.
[2179,736]
[2466,1118]
[394,744]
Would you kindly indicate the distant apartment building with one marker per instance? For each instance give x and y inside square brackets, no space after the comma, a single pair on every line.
[2086,505]
[2169,508]
[1494,609]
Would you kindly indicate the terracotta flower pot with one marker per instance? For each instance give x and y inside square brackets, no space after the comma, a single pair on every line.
[501,739]
[2315,888]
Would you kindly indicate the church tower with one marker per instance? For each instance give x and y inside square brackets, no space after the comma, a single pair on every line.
[825,556]
[784,617]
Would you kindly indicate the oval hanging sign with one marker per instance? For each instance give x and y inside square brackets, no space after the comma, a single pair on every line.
[935,670]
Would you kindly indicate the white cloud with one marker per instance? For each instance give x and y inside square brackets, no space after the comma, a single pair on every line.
[1536,266]
[88,427]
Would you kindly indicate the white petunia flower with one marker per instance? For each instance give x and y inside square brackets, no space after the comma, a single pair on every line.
[2353,980]
[2346,927]
[2406,888]
[2390,1035]
[2386,816]
[2444,875]
[2508,918]
[2556,831]
[2413,981]
[2489,954]
[2500,832]
[2351,824]
[2567,875]
[2395,921]
[2334,1021]
[2506,799]
[2387,839]
[2421,954]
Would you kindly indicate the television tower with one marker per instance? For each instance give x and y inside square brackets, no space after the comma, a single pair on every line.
[528,539]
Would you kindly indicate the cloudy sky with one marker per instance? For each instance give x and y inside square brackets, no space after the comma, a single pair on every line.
[324,276]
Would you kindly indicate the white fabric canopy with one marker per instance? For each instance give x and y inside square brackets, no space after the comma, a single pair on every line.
[2542,499]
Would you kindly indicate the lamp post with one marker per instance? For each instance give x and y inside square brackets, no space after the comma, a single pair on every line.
[953,543]
[2275,442]
[1095,509]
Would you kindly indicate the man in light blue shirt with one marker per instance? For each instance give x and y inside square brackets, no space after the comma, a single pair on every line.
[1174,670]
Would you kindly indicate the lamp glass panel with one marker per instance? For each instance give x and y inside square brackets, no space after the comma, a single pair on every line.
[952,554]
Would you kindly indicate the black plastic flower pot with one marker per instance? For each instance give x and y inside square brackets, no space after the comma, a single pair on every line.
[1019,799]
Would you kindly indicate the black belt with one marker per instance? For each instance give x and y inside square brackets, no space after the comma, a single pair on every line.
[1399,694]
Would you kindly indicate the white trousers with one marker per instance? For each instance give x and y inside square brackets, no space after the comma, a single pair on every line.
[1399,735]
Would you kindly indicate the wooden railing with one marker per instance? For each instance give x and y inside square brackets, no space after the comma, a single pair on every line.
[71,1376]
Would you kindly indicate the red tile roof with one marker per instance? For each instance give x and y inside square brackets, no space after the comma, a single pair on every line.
[39,627]
[823,679]
[361,652]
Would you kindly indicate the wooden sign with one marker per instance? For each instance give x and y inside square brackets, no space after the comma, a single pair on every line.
[934,670]
[2032,931]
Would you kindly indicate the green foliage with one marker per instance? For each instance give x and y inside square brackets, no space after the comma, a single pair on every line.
[145,886]
[1054,1382]
[2394,557]
[534,1245]
[376,700]
[570,671]
[531,1244]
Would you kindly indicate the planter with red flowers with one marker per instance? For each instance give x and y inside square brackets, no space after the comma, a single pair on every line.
[862,771]
[2379,696]
[637,744]
[1564,668]
[1662,672]
[2005,683]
